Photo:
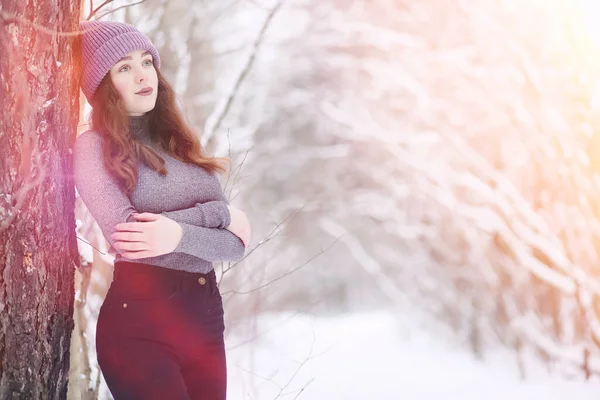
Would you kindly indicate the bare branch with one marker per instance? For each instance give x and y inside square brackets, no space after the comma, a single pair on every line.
[308,358]
[236,171]
[214,121]
[119,8]
[93,12]
[286,274]
[289,381]
[274,232]
[302,311]
[83,240]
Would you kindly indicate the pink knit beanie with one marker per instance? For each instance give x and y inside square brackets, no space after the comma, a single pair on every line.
[103,43]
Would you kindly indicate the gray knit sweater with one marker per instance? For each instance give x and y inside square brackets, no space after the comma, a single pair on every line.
[188,194]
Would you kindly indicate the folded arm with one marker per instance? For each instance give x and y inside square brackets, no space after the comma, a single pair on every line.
[217,244]
[212,214]
[197,222]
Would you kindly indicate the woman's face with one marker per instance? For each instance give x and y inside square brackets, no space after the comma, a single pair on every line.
[132,73]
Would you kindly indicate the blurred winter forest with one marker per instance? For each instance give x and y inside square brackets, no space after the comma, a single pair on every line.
[432,158]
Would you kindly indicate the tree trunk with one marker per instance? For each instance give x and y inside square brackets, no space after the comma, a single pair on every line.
[38,252]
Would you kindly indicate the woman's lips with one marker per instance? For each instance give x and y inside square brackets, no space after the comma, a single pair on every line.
[145,92]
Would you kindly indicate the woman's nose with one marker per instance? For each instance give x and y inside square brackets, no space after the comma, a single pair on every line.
[140,75]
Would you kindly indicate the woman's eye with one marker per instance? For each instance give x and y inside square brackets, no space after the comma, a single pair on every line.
[148,63]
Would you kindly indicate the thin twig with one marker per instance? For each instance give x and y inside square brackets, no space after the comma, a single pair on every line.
[9,18]
[270,236]
[304,311]
[93,12]
[312,346]
[83,240]
[287,273]
[119,8]
[237,170]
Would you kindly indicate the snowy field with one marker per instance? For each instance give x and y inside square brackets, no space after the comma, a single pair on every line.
[374,357]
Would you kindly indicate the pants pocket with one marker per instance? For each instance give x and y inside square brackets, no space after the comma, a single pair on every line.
[140,290]
[134,310]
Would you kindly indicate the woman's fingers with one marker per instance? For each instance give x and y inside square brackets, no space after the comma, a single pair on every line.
[131,246]
[240,226]
[130,226]
[127,236]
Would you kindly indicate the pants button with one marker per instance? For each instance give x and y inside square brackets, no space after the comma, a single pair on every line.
[202,280]
[124,305]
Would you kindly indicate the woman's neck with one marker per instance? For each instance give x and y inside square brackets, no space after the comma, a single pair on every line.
[138,125]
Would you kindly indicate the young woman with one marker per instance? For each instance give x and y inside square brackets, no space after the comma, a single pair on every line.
[155,195]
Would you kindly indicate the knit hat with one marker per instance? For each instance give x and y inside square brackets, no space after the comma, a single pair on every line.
[103,43]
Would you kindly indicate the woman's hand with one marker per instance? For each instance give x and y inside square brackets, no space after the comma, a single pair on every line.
[155,235]
[239,225]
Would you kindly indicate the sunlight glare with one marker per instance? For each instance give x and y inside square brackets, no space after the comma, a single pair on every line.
[590,10]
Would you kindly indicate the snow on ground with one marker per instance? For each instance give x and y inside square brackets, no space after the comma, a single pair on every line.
[373,356]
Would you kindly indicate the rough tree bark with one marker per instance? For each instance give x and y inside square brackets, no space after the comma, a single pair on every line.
[38,248]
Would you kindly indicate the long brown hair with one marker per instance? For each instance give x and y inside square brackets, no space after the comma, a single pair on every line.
[167,126]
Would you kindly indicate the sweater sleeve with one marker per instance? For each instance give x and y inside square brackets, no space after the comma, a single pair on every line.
[99,190]
[214,245]
[204,223]
[212,214]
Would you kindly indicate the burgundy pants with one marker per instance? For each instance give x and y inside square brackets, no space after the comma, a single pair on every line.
[160,335]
